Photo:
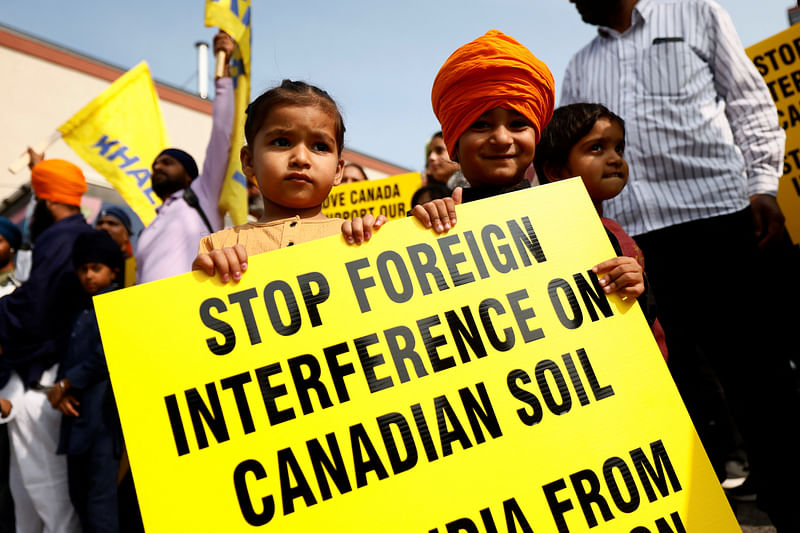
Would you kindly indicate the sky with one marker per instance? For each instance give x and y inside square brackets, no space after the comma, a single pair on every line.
[376,58]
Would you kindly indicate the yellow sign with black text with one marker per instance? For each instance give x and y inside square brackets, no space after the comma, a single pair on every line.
[778,61]
[474,381]
[390,197]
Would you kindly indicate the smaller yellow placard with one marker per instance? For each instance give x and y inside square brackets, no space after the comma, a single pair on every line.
[390,197]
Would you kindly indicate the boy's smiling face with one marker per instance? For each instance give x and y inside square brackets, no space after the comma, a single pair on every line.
[295,159]
[497,148]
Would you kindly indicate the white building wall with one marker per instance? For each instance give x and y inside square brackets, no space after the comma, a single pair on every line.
[38,96]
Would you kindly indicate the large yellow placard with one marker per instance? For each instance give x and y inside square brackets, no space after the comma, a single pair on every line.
[475,381]
[778,61]
[390,197]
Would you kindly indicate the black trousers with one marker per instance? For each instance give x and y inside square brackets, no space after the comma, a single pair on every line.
[722,303]
[93,485]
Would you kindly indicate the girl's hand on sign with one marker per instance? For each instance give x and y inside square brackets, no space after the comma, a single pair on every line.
[229,263]
[360,229]
[622,275]
[439,214]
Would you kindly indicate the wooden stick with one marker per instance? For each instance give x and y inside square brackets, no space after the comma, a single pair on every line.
[219,71]
[41,148]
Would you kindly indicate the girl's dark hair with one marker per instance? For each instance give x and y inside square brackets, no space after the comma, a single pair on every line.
[297,93]
[431,191]
[569,125]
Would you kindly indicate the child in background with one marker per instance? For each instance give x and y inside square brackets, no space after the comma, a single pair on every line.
[438,165]
[493,98]
[295,136]
[429,192]
[91,435]
[588,140]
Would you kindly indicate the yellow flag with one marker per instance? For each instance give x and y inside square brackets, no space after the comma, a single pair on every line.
[119,133]
[233,17]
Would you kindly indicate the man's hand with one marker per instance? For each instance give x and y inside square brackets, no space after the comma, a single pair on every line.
[5,408]
[768,220]
[68,405]
[57,392]
[34,157]
[224,43]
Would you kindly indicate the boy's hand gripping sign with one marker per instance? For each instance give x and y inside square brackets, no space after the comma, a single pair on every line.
[478,381]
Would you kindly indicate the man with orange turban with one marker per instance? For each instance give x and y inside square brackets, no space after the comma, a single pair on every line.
[35,322]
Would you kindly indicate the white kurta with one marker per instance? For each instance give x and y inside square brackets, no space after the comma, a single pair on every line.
[37,476]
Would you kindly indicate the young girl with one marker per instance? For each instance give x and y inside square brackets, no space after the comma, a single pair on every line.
[295,136]
[588,140]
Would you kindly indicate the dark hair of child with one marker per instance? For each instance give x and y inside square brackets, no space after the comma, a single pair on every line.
[292,93]
[569,125]
[432,191]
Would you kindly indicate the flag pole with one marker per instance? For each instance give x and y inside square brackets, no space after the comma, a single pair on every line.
[23,160]
[219,72]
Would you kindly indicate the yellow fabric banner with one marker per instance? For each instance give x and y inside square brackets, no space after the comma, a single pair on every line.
[233,17]
[119,134]
[474,381]
[390,197]
[777,59]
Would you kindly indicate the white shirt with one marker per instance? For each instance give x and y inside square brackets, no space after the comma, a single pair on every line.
[702,132]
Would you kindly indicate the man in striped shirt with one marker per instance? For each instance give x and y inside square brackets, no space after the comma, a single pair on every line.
[705,152]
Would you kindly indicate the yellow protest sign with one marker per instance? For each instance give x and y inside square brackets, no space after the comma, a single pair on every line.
[119,134]
[474,381]
[778,61]
[234,18]
[390,197]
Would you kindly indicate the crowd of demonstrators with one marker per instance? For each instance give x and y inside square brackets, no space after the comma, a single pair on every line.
[706,152]
[66,455]
[703,183]
[34,331]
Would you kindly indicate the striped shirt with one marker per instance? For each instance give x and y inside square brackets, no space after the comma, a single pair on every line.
[702,132]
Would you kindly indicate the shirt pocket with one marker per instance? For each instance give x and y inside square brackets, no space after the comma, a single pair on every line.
[671,68]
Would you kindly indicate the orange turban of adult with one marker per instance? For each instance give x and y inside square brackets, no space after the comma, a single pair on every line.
[58,181]
[492,71]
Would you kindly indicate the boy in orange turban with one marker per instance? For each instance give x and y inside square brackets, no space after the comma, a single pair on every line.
[493,98]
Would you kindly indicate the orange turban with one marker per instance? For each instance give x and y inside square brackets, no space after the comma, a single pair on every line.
[492,71]
[58,181]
